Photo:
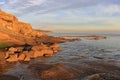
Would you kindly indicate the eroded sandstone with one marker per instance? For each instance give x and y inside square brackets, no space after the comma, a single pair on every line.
[25,53]
[24,43]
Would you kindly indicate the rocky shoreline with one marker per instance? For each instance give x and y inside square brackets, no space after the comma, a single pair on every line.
[25,44]
[43,48]
[20,42]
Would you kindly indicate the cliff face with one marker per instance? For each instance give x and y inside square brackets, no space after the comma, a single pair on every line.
[10,26]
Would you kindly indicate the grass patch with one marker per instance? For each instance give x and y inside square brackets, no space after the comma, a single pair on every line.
[3,45]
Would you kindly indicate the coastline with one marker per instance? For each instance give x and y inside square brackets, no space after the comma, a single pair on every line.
[27,54]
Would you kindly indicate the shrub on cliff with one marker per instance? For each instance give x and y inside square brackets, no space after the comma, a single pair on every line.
[3,45]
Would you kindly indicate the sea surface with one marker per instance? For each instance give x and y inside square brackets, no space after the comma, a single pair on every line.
[106,49]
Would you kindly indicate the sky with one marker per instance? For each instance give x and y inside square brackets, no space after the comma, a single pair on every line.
[67,15]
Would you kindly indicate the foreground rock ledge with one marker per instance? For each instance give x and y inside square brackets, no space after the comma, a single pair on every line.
[51,71]
[27,52]
[9,77]
[82,69]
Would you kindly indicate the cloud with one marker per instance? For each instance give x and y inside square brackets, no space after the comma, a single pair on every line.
[2,3]
[21,7]
[112,9]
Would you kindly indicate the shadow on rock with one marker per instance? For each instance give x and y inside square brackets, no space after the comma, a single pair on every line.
[51,71]
[104,76]
[8,77]
[91,70]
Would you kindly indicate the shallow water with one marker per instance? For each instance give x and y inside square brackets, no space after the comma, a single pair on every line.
[75,55]
[105,49]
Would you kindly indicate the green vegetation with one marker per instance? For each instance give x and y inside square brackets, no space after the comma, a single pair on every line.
[3,45]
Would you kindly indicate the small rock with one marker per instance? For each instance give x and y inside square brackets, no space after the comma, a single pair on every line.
[55,47]
[12,49]
[47,52]
[35,48]
[37,54]
[21,57]
[13,58]
[19,49]
[27,58]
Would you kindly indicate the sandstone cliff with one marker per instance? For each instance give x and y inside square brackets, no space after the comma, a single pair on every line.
[12,30]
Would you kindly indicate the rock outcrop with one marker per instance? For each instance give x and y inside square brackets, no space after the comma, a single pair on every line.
[23,53]
[16,33]
[95,37]
[13,30]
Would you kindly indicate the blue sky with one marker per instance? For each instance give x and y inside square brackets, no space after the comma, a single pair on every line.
[67,15]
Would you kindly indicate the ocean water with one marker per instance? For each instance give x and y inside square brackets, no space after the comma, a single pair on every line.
[104,49]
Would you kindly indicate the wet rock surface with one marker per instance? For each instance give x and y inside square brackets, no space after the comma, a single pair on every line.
[8,77]
[104,76]
[78,38]
[51,71]
[84,69]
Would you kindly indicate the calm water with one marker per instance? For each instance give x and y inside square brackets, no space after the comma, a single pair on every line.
[107,49]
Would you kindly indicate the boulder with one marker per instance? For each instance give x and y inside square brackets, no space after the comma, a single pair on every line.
[38,54]
[47,52]
[27,58]
[12,49]
[30,53]
[55,47]
[12,58]
[36,48]
[21,57]
[55,50]
[19,49]
[25,52]
[7,54]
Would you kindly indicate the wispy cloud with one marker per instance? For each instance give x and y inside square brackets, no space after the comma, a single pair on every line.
[2,3]
[112,9]
[21,7]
